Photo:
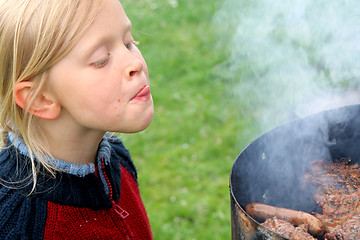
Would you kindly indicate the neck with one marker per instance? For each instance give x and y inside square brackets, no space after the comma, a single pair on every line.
[78,151]
[72,144]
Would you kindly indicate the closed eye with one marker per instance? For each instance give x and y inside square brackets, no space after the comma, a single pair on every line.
[102,63]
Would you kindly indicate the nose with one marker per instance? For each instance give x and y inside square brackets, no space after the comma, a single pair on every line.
[135,67]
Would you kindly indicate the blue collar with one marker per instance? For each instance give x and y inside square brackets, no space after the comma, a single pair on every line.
[104,152]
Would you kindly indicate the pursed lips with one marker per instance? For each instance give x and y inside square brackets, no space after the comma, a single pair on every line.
[143,94]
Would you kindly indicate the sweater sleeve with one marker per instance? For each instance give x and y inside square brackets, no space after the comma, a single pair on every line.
[22,217]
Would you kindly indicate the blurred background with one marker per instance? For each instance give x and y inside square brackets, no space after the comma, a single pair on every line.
[222,73]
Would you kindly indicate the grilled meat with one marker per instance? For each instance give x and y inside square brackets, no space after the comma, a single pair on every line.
[263,211]
[288,230]
[338,193]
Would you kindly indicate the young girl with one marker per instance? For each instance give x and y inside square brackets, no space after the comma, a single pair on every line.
[69,73]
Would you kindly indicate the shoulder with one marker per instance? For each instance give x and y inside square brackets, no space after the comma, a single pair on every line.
[22,216]
[120,153]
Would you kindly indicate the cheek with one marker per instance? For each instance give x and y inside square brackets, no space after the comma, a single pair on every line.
[97,99]
[117,105]
[108,89]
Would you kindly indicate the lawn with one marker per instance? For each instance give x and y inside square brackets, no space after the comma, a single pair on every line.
[184,158]
[206,78]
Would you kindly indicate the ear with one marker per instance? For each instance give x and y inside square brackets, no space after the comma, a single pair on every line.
[43,106]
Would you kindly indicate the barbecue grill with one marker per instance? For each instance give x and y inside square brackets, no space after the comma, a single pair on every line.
[270,169]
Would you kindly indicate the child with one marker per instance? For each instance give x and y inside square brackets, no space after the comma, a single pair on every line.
[69,73]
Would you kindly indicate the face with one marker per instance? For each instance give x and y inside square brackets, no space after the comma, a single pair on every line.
[103,83]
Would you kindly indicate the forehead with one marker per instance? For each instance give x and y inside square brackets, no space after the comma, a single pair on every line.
[110,23]
[112,14]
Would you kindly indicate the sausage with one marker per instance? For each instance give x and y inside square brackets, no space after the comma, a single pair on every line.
[262,211]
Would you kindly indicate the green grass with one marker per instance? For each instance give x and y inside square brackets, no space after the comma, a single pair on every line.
[184,158]
[208,109]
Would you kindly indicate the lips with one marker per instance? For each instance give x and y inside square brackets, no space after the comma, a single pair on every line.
[143,94]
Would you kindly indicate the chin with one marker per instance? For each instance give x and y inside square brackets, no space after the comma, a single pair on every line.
[138,126]
[144,126]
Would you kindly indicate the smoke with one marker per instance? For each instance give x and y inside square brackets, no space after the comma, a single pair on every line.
[288,59]
[291,58]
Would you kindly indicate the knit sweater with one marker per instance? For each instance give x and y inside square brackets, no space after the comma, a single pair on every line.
[91,201]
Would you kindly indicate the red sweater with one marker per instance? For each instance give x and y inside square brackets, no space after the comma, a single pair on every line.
[126,219]
[99,201]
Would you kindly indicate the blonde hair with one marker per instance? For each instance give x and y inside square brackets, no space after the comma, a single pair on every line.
[35,35]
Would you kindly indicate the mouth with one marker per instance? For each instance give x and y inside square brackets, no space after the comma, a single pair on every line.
[143,94]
